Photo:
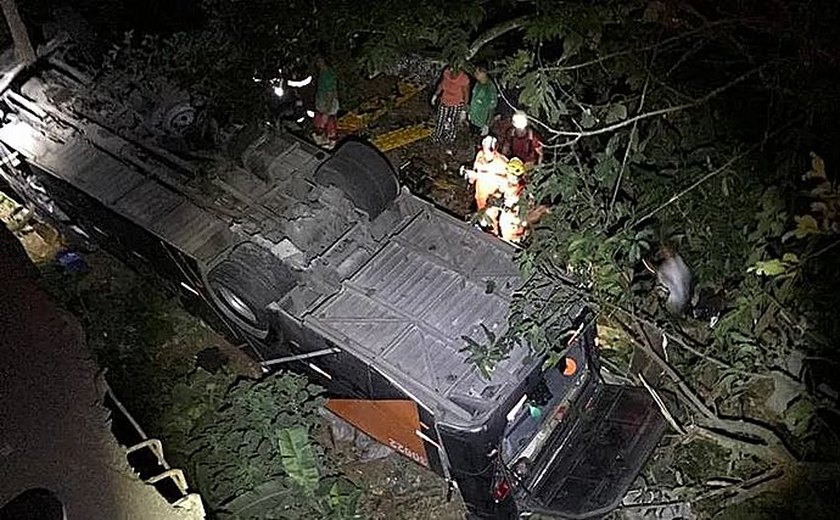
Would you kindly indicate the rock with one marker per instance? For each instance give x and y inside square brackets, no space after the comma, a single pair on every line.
[785,390]
[793,363]
[369,449]
[341,430]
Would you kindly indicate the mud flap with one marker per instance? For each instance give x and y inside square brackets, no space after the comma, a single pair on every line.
[587,468]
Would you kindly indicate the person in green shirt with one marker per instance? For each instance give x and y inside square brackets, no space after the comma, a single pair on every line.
[483,101]
[326,104]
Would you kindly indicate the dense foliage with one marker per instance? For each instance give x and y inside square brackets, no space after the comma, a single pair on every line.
[693,137]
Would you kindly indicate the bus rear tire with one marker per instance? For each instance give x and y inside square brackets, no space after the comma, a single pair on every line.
[245,283]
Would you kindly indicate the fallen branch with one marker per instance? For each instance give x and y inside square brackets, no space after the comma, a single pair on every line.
[734,492]
[766,476]
[654,505]
[765,442]
[662,408]
[669,336]
[745,437]
[743,491]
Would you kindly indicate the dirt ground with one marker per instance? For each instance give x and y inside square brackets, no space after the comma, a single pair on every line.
[397,488]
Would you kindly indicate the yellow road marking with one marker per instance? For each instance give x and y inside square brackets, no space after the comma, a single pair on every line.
[373,109]
[401,137]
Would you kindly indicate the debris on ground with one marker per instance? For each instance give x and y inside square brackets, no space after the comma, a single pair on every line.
[71,261]
[395,487]
[646,503]
[40,240]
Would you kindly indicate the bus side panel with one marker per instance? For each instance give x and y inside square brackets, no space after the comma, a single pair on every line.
[361,396]
[137,247]
[119,236]
[367,400]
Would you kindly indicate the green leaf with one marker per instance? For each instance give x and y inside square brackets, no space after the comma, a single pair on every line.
[571,44]
[344,498]
[471,343]
[805,225]
[790,258]
[587,120]
[773,267]
[491,337]
[298,457]
[617,112]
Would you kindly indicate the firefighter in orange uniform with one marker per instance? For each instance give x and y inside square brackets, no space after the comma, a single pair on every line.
[488,173]
[510,226]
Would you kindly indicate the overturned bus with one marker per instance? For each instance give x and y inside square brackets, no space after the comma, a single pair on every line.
[323,261]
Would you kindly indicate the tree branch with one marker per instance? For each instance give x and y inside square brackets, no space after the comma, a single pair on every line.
[627,150]
[699,182]
[601,59]
[23,45]
[708,176]
[743,490]
[495,32]
[659,112]
[737,431]
[661,404]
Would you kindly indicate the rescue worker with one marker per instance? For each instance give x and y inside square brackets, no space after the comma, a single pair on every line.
[483,102]
[488,173]
[522,141]
[510,226]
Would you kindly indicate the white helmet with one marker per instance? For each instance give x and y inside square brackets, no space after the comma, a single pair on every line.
[488,143]
[519,120]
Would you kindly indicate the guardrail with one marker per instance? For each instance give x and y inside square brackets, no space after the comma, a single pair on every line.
[145,455]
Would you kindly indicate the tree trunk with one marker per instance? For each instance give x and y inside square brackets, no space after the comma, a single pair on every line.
[23,46]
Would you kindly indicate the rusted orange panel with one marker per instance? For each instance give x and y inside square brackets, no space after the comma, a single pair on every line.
[394,423]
